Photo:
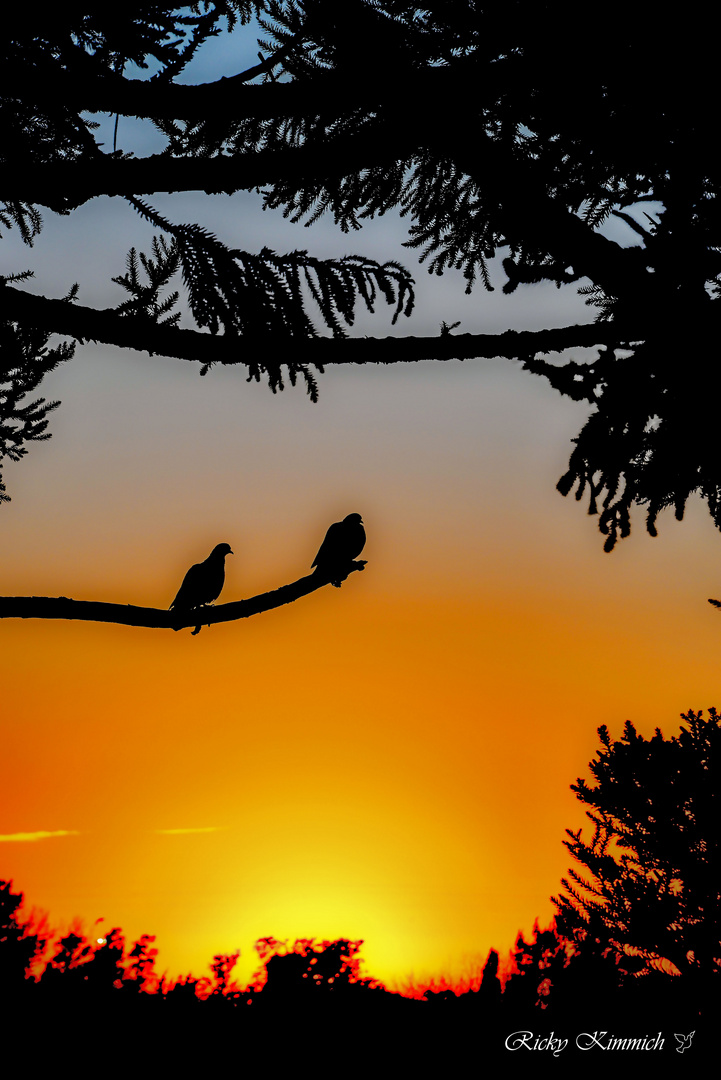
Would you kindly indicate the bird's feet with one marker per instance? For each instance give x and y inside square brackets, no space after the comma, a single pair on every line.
[202,607]
[338,580]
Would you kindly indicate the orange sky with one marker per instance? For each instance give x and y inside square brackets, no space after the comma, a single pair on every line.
[389,761]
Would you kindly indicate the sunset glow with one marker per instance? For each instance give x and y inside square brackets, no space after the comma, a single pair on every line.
[388,761]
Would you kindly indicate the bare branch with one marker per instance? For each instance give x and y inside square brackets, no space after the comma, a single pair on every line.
[62,607]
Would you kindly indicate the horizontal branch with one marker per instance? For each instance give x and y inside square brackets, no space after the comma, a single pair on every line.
[517,186]
[61,607]
[232,98]
[65,185]
[141,334]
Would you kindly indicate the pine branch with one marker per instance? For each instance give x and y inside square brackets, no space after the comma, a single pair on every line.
[231,99]
[159,269]
[65,185]
[62,607]
[144,335]
[25,360]
[524,212]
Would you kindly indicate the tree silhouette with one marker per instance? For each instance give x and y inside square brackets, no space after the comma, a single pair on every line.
[535,968]
[648,885]
[310,969]
[22,942]
[500,127]
[572,973]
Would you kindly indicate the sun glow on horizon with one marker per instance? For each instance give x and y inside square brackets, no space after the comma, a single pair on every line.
[389,761]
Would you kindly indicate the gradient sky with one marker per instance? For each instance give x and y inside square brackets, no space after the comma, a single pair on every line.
[390,761]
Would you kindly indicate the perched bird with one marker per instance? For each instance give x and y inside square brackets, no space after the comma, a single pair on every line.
[343,543]
[204,581]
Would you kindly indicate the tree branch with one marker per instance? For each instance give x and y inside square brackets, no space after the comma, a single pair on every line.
[62,607]
[141,334]
[65,185]
[525,210]
[231,99]
[516,185]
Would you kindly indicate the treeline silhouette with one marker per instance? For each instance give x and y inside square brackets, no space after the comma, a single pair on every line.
[634,949]
[551,981]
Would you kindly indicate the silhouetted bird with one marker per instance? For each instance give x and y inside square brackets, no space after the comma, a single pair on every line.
[343,543]
[204,581]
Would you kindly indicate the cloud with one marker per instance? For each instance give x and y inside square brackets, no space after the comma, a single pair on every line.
[181,832]
[31,837]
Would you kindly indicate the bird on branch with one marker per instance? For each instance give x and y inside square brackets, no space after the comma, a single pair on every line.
[343,543]
[203,583]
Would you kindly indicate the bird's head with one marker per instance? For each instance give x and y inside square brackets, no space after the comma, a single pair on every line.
[353,519]
[221,550]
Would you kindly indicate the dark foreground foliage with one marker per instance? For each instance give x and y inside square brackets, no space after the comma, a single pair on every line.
[315,993]
[634,953]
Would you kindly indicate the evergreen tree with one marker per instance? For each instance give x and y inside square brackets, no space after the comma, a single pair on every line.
[648,879]
[508,126]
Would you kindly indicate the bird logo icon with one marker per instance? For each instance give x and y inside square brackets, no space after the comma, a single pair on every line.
[684,1041]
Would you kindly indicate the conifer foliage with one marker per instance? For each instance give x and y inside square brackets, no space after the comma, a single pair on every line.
[647,880]
[25,359]
[258,298]
[511,135]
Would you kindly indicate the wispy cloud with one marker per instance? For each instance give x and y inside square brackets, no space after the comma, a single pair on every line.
[181,832]
[31,837]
